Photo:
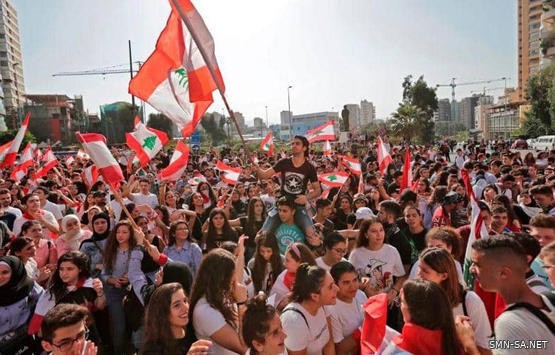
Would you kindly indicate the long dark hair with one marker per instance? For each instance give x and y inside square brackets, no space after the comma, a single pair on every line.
[251,220]
[436,315]
[111,247]
[213,281]
[227,230]
[308,280]
[256,321]
[442,262]
[362,240]
[57,287]
[173,228]
[267,240]
[157,327]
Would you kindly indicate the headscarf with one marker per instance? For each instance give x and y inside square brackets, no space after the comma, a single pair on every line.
[179,272]
[73,237]
[20,283]
[96,236]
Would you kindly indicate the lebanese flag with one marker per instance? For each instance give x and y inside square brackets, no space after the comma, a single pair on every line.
[69,160]
[90,175]
[146,142]
[26,159]
[384,159]
[267,144]
[4,149]
[11,154]
[50,161]
[178,163]
[94,145]
[18,173]
[335,179]
[327,148]
[82,155]
[175,79]
[230,174]
[197,179]
[324,132]
[406,180]
[352,164]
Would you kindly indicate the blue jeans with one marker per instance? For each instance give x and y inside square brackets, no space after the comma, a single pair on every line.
[114,303]
[302,220]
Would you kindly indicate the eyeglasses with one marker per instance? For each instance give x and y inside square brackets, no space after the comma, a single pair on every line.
[340,251]
[66,345]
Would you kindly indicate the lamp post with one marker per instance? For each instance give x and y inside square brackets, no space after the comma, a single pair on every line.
[289,111]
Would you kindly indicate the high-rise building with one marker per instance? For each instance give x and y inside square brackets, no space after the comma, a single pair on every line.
[547,32]
[367,112]
[302,123]
[240,120]
[467,116]
[443,112]
[529,23]
[354,116]
[11,61]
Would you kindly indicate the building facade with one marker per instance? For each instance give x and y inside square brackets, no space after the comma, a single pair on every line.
[367,112]
[305,122]
[354,116]
[502,120]
[11,64]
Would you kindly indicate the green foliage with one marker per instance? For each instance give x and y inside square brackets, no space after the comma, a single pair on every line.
[214,130]
[540,91]
[117,119]
[414,115]
[160,122]
[7,136]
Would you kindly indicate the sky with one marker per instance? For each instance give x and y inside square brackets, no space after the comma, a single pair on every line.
[332,52]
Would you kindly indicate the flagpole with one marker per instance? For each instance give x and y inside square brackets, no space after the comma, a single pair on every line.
[210,68]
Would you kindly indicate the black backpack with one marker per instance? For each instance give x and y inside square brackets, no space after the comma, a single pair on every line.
[536,311]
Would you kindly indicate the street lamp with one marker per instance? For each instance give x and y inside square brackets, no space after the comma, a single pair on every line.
[289,111]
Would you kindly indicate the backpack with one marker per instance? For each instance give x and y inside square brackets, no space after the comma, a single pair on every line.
[536,311]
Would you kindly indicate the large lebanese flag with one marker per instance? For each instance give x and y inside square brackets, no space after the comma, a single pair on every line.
[11,153]
[146,142]
[229,174]
[352,164]
[50,161]
[384,159]
[26,159]
[178,163]
[324,132]
[335,179]
[267,144]
[94,145]
[175,79]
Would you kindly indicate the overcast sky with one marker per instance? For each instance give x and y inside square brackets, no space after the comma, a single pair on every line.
[332,52]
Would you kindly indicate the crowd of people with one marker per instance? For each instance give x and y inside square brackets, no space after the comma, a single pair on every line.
[280,262]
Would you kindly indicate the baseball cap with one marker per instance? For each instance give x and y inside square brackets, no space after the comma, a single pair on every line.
[364,213]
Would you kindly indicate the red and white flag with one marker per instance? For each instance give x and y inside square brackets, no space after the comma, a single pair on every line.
[50,161]
[175,79]
[82,155]
[146,142]
[335,179]
[94,145]
[267,144]
[178,163]
[69,160]
[406,180]
[384,159]
[327,149]
[11,153]
[230,175]
[352,164]
[196,179]
[90,175]
[4,149]
[18,173]
[26,160]
[324,132]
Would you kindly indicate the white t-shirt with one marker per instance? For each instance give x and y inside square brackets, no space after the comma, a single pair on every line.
[16,211]
[141,199]
[347,317]
[414,271]
[54,209]
[378,265]
[478,317]
[312,337]
[279,289]
[207,321]
[320,262]
[46,233]
[523,326]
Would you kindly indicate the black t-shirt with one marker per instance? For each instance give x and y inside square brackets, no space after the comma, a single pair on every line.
[215,240]
[181,346]
[417,242]
[397,239]
[250,231]
[8,218]
[294,180]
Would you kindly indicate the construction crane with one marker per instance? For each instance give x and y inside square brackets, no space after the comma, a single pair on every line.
[453,85]
[485,89]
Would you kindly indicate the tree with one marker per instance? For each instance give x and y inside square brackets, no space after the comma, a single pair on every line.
[7,136]
[117,119]
[405,122]
[160,122]
[540,92]
[214,129]
[417,95]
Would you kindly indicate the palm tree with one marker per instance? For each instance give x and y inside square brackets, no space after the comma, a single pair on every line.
[406,121]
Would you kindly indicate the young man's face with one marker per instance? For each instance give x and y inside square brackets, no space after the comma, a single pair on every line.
[297,147]
[499,220]
[5,200]
[66,340]
[543,235]
[484,270]
[543,200]
[286,214]
[145,187]
[325,211]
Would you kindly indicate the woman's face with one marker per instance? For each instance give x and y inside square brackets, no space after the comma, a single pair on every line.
[437,243]
[345,204]
[28,251]
[204,189]
[218,221]
[274,339]
[258,208]
[143,224]
[72,225]
[69,272]
[338,251]
[412,217]
[197,200]
[426,272]
[348,285]
[179,310]
[376,235]
[265,252]
[5,274]
[404,307]
[33,203]
[170,199]
[90,199]
[100,226]
[421,186]
[181,231]
[235,196]
[489,193]
[123,233]
[34,231]
[328,291]
[425,173]
[290,264]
